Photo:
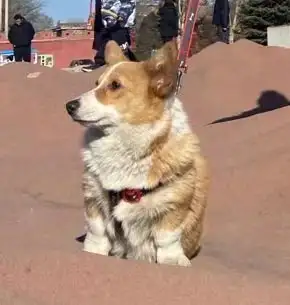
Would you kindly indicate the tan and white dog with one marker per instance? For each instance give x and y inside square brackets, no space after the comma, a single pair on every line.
[145,180]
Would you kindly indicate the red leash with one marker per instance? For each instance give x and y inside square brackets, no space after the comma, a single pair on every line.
[186,39]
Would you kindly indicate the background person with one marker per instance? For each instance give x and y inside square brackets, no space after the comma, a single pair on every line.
[20,35]
[168,21]
[221,19]
[113,20]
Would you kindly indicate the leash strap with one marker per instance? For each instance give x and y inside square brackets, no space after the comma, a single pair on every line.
[186,39]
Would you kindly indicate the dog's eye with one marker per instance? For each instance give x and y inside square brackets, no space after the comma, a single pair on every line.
[115,85]
[97,83]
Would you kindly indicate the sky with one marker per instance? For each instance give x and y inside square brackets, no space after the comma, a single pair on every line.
[67,9]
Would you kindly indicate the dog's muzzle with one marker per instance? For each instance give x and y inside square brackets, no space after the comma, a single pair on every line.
[72,107]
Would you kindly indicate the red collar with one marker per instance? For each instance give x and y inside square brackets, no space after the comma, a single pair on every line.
[132,196]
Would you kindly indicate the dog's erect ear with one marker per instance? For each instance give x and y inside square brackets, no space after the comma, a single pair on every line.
[162,70]
[113,53]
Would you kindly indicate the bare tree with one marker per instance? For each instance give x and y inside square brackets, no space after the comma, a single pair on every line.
[32,10]
[235,8]
[147,33]
[42,22]
[206,32]
[182,6]
[148,37]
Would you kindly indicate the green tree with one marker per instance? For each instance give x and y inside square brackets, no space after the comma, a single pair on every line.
[256,15]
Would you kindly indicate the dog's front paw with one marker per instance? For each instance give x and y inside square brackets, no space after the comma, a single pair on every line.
[97,244]
[183,261]
[164,256]
[117,250]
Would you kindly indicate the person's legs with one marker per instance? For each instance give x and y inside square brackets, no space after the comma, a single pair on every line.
[130,55]
[122,37]
[223,34]
[99,59]
[26,54]
[100,40]
[119,35]
[166,39]
[17,54]
[100,55]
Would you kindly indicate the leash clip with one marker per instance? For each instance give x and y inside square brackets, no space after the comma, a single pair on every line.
[181,70]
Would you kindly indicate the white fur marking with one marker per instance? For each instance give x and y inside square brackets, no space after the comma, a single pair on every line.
[169,249]
[165,238]
[109,71]
[96,239]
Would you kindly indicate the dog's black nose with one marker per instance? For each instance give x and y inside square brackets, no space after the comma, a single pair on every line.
[72,106]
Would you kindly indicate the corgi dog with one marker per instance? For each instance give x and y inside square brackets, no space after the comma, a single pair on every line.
[145,179]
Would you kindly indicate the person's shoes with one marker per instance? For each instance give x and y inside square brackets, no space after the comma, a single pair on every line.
[90,68]
[130,55]
[93,67]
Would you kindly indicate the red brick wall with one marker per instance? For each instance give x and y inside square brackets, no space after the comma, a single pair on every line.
[64,50]
[67,34]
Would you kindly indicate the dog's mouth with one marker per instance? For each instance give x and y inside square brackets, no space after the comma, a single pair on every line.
[100,123]
[86,122]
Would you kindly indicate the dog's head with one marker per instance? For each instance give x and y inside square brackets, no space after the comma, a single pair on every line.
[134,93]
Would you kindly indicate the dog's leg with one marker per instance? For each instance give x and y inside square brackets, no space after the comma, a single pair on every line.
[118,250]
[97,240]
[115,232]
[169,249]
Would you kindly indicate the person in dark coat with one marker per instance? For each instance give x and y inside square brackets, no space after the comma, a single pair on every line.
[168,21]
[20,35]
[113,20]
[221,18]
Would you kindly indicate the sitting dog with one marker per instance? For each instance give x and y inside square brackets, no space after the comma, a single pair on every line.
[145,180]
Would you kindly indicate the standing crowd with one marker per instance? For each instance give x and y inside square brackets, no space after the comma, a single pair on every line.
[113,21]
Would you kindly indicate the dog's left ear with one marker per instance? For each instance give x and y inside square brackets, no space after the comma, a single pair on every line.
[113,53]
[162,69]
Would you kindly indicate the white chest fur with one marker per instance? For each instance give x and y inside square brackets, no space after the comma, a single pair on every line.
[112,161]
[117,159]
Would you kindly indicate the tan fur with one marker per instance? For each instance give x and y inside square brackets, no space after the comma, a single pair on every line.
[129,99]
[137,104]
[138,136]
[170,160]
[114,54]
[185,171]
